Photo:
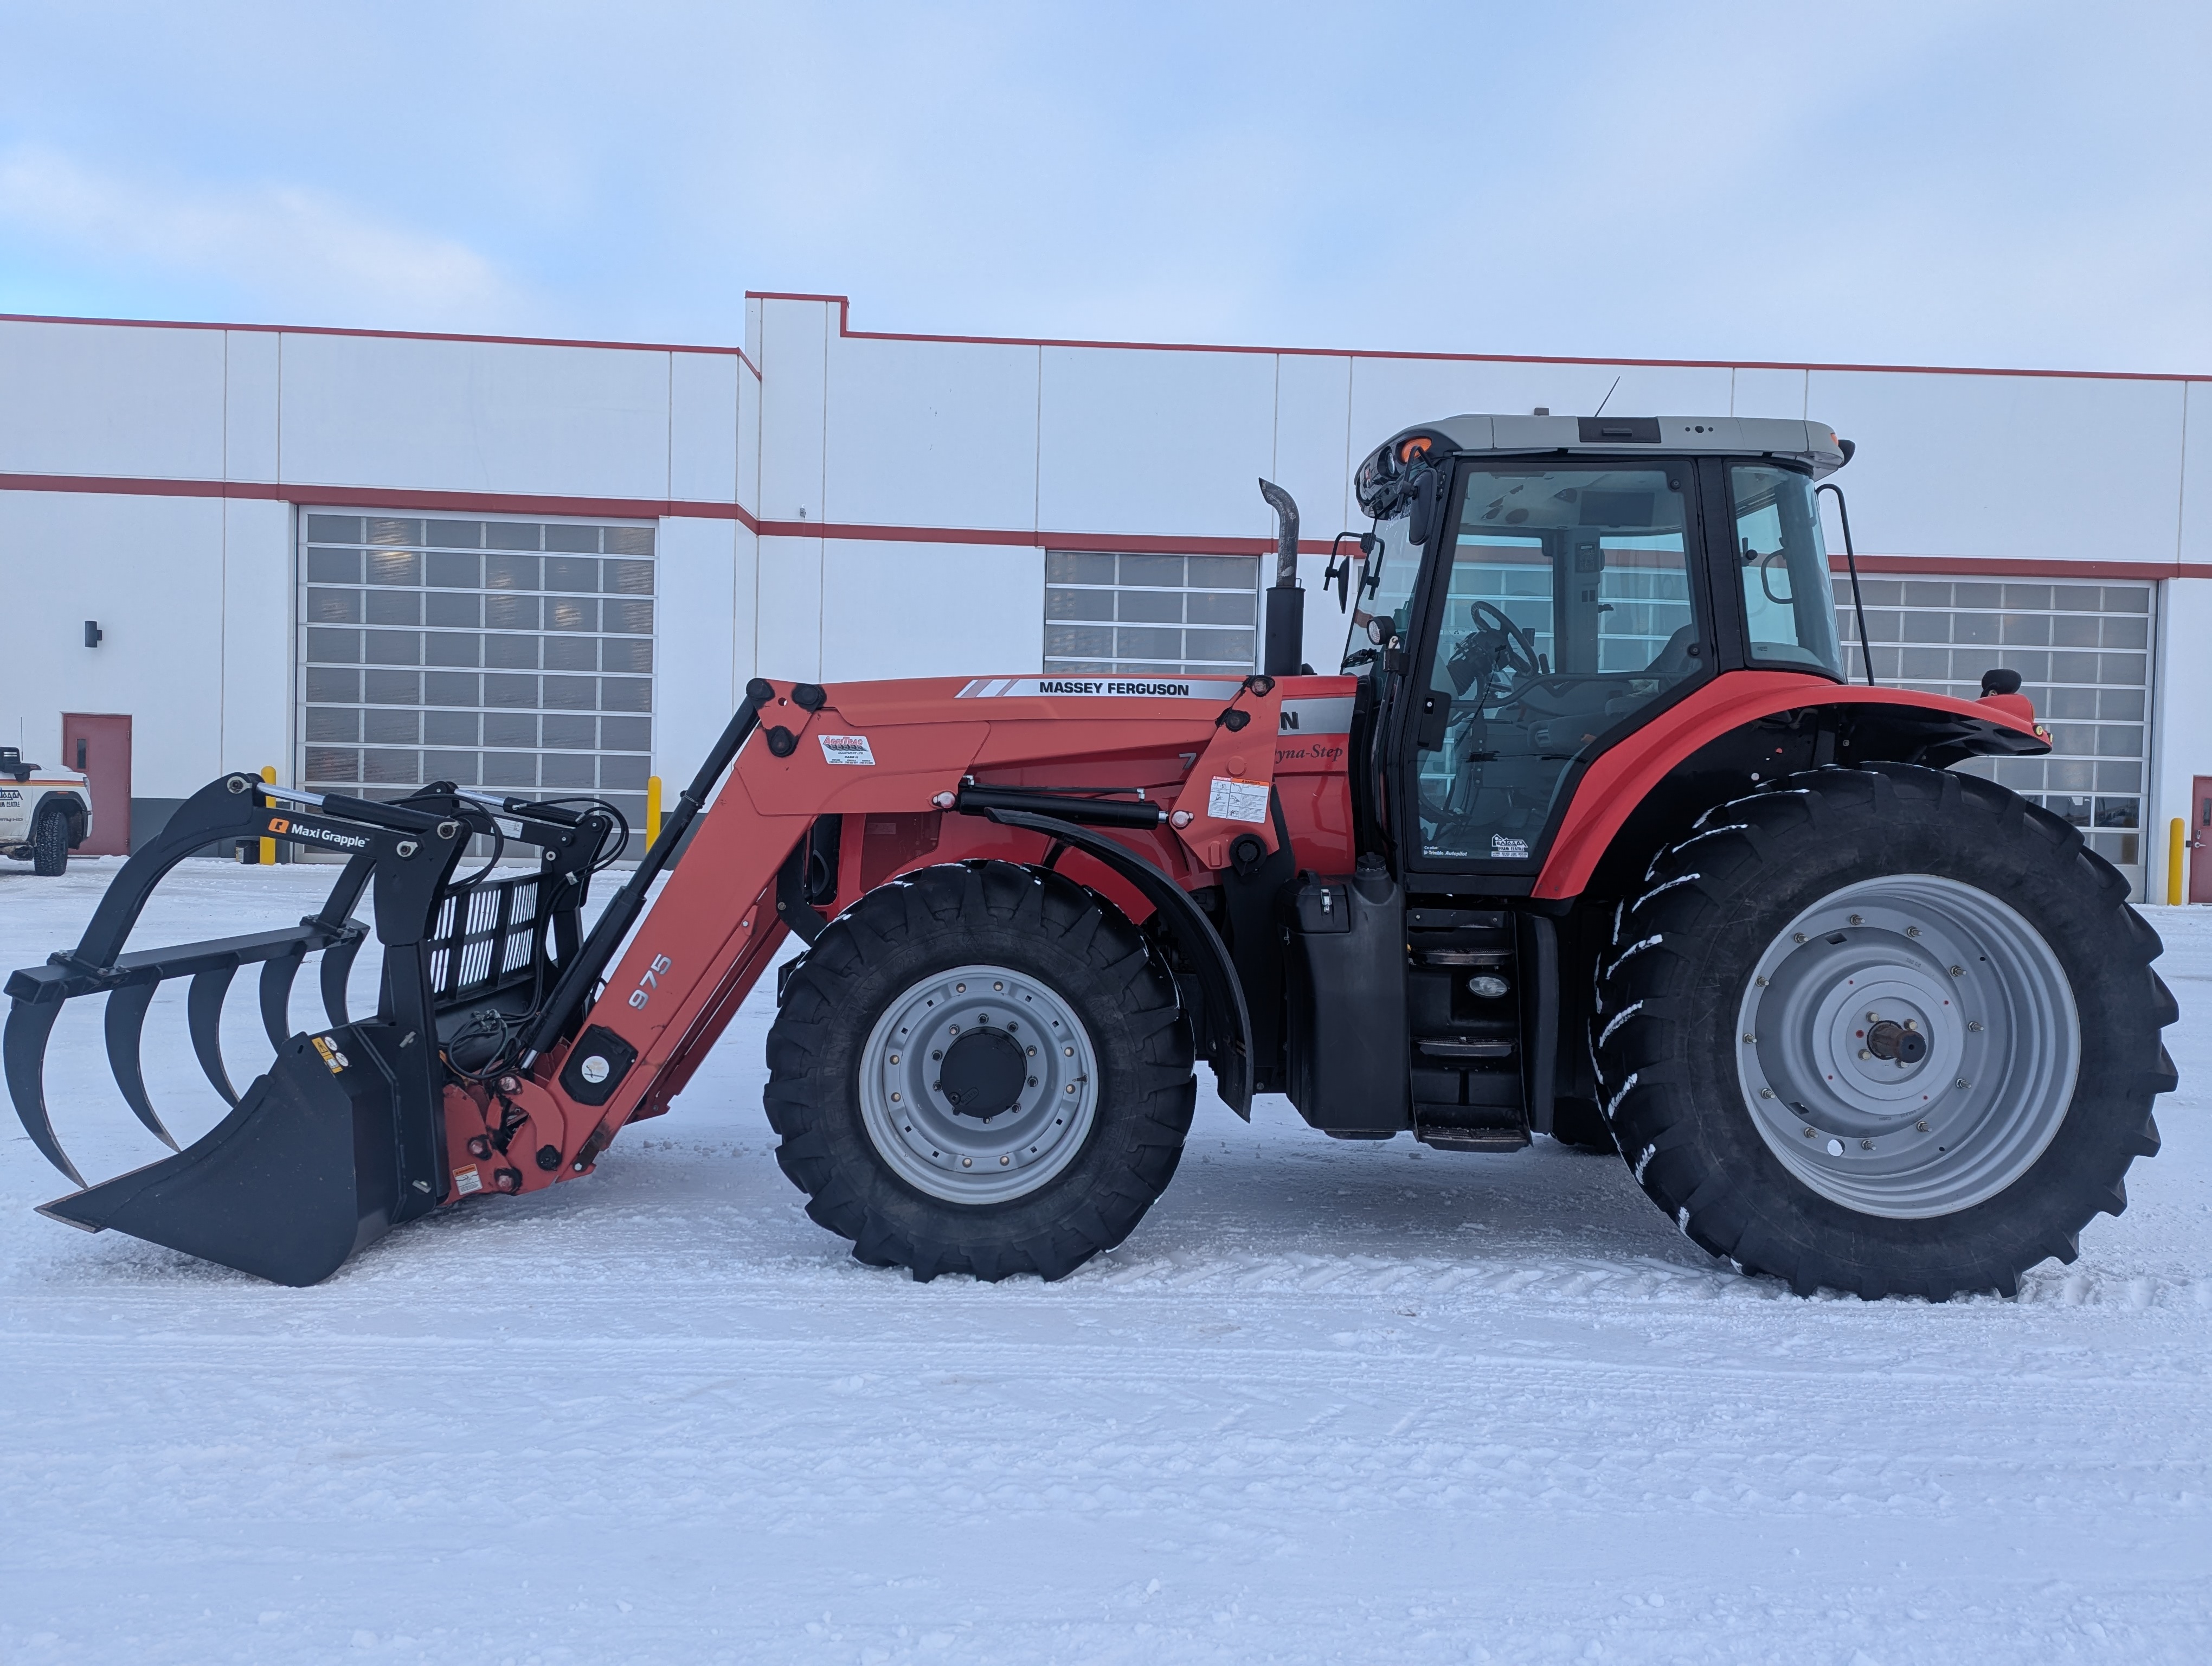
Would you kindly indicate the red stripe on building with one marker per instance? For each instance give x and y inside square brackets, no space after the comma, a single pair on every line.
[654,508]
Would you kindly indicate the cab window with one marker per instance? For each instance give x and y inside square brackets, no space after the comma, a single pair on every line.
[1566,613]
[1790,616]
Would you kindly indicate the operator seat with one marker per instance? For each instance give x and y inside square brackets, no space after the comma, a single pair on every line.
[1677,656]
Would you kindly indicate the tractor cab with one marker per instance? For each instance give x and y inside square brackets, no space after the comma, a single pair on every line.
[1559,583]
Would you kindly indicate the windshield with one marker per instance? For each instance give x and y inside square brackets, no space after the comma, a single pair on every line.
[1789,607]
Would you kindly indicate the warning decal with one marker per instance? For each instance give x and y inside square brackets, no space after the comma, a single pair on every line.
[1231,800]
[846,748]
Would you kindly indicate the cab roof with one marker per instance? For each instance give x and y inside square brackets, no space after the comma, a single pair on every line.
[1384,486]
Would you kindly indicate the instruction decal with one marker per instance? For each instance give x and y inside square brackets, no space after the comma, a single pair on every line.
[846,748]
[1231,800]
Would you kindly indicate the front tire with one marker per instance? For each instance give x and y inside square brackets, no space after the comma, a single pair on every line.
[1885,1031]
[50,846]
[981,1068]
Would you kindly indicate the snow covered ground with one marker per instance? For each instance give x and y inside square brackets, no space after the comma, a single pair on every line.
[1332,1402]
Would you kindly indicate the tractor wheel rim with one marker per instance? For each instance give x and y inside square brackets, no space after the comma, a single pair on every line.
[1856,1107]
[997,1146]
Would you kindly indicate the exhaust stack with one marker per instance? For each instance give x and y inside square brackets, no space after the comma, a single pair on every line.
[1286,603]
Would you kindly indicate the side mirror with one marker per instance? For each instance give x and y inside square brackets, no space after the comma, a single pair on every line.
[1339,572]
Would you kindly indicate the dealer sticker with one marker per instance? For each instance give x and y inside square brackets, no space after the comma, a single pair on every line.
[1231,800]
[846,748]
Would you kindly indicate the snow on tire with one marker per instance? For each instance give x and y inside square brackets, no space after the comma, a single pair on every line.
[1888,1030]
[981,1068]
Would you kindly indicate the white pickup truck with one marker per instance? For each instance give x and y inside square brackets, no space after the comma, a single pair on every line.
[44,813]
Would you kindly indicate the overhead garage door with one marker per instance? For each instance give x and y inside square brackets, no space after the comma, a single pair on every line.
[1177,616]
[2083,653]
[510,655]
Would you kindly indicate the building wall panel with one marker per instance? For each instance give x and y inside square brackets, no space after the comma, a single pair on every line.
[932,434]
[1762,392]
[1390,394]
[487,416]
[150,570]
[702,427]
[2195,492]
[696,648]
[931,610]
[2007,467]
[794,369]
[1155,442]
[101,399]
[252,404]
[2182,711]
[1313,439]
[788,624]
[257,628]
[749,439]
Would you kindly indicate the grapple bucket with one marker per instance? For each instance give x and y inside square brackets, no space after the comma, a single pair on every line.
[342,1137]
[303,1171]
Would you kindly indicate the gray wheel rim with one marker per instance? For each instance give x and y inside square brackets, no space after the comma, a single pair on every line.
[965,1158]
[1835,1095]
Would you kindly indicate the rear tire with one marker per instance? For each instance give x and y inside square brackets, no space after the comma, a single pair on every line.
[49,845]
[1754,1103]
[1579,1125]
[1065,1168]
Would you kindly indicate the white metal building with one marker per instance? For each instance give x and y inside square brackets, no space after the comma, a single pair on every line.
[371,559]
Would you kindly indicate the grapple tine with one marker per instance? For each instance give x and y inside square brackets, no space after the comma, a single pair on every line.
[203,1012]
[276,977]
[126,1020]
[25,1049]
[337,966]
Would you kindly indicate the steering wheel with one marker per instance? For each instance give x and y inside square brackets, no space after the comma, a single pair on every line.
[1495,644]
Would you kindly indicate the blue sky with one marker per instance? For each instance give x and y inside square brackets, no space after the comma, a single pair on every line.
[1941,183]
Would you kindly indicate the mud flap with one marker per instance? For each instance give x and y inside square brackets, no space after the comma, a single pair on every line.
[305,1170]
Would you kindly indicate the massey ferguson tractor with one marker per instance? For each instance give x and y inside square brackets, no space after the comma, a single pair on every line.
[1592,835]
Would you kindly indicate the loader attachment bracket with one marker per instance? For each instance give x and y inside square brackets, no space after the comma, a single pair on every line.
[1224,1025]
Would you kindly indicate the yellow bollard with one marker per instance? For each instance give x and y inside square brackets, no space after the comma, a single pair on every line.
[2177,838]
[653,811]
[269,846]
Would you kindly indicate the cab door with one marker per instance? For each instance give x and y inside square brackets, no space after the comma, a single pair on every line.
[1559,608]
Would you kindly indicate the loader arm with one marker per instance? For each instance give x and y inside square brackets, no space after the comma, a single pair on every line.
[798,752]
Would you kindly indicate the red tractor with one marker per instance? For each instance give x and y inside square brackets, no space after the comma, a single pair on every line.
[1592,835]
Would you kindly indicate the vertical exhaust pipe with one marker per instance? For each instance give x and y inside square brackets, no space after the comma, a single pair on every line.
[1286,603]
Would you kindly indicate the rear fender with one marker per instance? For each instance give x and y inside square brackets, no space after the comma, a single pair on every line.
[1711,743]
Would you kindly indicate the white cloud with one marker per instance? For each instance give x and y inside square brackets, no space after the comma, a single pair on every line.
[286,245]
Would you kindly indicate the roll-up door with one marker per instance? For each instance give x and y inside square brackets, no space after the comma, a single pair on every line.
[2083,653]
[513,656]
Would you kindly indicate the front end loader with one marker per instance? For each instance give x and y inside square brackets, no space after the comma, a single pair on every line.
[1591,835]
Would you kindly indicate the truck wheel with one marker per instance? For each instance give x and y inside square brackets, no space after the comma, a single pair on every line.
[49,843]
[1889,1030]
[981,1068]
